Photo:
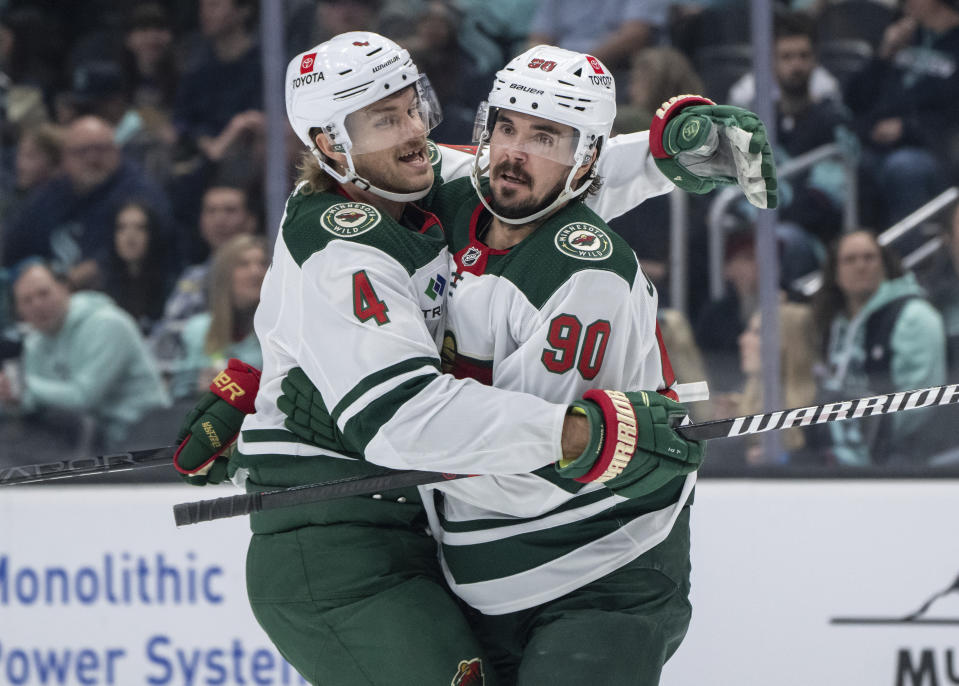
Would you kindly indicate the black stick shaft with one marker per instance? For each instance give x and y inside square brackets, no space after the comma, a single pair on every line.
[86,466]
[245,503]
[219,508]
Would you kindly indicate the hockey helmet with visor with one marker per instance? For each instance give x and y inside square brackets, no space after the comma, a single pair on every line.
[556,85]
[366,96]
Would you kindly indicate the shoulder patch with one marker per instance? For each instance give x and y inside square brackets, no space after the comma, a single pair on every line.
[433,153]
[348,219]
[584,241]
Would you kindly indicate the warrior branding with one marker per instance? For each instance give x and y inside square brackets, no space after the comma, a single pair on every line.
[396,58]
[211,434]
[307,63]
[521,87]
[847,409]
[584,241]
[308,79]
[348,219]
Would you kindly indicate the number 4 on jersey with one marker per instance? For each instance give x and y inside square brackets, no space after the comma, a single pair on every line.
[365,303]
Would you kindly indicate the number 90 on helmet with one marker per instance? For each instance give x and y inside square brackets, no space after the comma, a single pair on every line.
[559,85]
[336,79]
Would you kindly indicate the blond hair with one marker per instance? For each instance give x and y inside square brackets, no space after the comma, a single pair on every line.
[223,314]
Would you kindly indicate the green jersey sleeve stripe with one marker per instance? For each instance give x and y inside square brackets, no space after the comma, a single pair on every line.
[364,425]
[380,377]
[270,435]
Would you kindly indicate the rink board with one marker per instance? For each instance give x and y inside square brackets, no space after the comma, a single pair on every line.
[793,584]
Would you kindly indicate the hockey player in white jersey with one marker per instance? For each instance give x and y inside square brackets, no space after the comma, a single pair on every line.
[353,305]
[589,580]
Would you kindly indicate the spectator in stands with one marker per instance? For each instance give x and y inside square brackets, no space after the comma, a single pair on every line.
[30,56]
[149,61]
[880,335]
[609,31]
[795,66]
[907,109]
[145,135]
[82,354]
[225,213]
[941,281]
[70,218]
[339,16]
[225,79]
[811,204]
[39,153]
[720,322]
[209,339]
[134,275]
[798,351]
[657,74]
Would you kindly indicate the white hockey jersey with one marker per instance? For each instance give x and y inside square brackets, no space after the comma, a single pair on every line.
[565,310]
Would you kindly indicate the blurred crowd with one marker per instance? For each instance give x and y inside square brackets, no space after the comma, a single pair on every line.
[133,242]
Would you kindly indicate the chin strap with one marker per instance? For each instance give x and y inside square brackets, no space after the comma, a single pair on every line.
[565,195]
[352,177]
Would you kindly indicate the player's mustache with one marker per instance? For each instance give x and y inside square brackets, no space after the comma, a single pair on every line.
[513,170]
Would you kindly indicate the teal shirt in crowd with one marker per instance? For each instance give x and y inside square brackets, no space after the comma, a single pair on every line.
[918,360]
[96,363]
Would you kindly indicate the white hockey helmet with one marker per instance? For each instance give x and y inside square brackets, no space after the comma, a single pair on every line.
[567,87]
[329,82]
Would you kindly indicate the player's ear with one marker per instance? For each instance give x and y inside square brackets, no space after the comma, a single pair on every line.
[323,143]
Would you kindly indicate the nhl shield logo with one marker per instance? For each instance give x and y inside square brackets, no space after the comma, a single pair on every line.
[470,256]
[348,219]
[469,673]
[584,241]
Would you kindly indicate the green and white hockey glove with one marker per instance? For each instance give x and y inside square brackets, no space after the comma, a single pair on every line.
[208,434]
[306,413]
[633,449]
[699,145]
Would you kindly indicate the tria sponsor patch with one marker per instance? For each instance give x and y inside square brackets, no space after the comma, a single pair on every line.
[584,241]
[348,219]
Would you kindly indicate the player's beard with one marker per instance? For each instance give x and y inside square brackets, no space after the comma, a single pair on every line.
[516,210]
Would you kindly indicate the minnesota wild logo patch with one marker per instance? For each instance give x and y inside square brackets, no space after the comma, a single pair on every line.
[433,153]
[584,241]
[350,219]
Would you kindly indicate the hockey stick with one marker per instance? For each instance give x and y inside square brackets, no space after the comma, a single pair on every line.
[86,466]
[246,503]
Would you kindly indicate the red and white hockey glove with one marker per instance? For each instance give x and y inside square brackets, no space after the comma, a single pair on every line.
[633,449]
[209,432]
[699,145]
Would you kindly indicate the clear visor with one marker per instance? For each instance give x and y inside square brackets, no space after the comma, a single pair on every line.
[404,117]
[506,131]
